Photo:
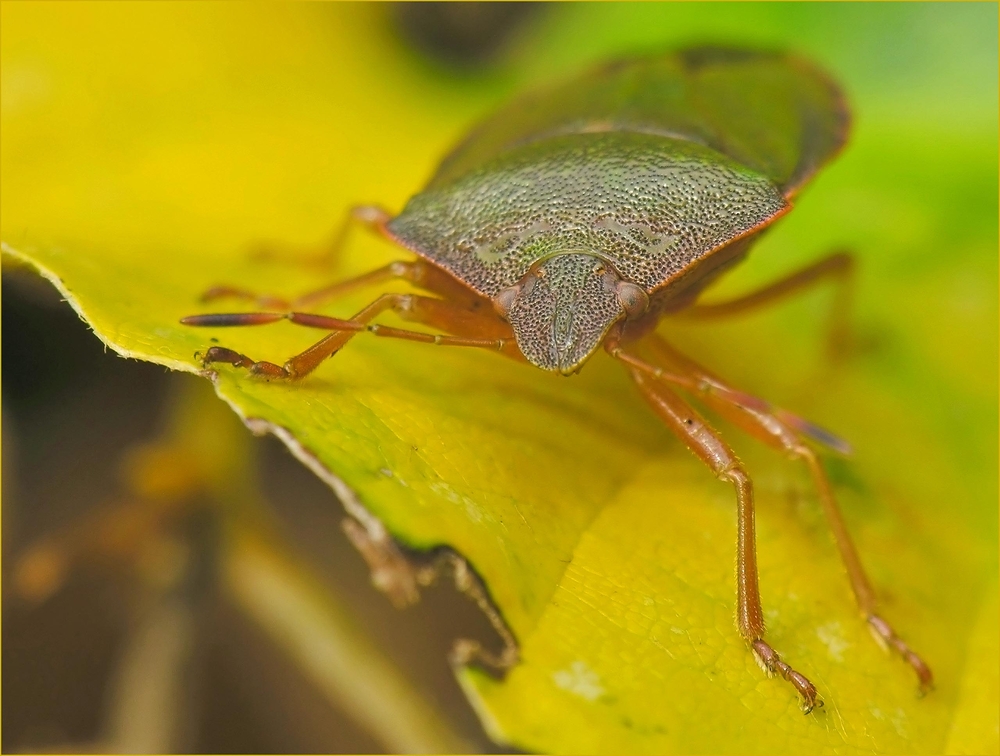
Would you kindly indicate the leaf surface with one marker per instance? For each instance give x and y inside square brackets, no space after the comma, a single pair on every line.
[143,157]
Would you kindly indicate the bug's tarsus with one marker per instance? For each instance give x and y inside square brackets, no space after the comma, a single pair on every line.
[267,370]
[887,637]
[772,663]
[228,356]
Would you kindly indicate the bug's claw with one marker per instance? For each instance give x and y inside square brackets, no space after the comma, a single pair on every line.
[924,673]
[771,662]
[809,705]
[886,637]
[810,698]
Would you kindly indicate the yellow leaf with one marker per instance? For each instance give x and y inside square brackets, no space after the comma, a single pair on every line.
[976,727]
[147,146]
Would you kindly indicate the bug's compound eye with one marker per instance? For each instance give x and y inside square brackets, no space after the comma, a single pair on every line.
[633,298]
[503,301]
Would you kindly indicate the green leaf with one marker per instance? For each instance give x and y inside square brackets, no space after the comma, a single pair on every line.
[147,146]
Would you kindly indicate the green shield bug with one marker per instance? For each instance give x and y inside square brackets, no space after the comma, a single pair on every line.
[578,217]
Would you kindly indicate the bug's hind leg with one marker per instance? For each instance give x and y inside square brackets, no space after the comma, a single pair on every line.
[778,429]
[714,452]
[409,271]
[468,327]
[839,267]
[420,274]
[327,254]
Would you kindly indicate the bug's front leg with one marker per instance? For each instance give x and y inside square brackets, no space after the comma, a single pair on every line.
[467,326]
[682,419]
[787,434]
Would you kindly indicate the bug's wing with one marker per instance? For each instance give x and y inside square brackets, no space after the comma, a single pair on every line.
[771,112]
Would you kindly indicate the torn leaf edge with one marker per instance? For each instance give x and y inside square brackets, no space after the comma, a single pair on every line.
[396,569]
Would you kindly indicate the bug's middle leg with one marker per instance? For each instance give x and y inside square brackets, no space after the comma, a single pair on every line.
[466,327]
[838,267]
[714,452]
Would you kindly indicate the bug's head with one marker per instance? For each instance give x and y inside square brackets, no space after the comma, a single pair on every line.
[564,307]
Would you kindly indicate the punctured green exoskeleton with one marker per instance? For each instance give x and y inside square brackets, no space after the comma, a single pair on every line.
[579,216]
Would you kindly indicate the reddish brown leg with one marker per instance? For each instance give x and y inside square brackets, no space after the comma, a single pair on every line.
[772,427]
[839,267]
[714,452]
[472,328]
[327,255]
[419,273]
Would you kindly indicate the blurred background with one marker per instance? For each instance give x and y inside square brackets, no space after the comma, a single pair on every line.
[119,633]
